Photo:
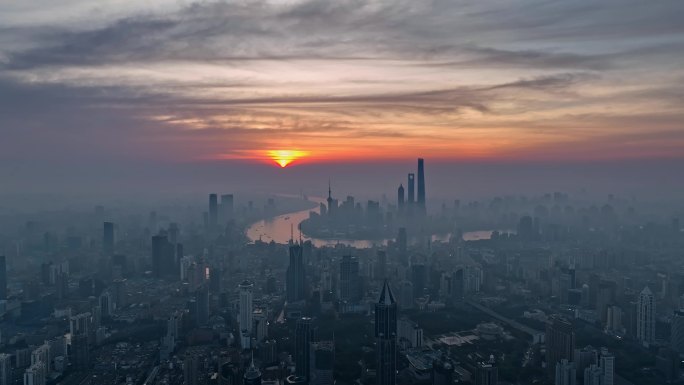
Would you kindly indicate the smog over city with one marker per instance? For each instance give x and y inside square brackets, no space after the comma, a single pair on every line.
[318,192]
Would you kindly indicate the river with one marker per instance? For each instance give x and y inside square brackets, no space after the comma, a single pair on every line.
[281,228]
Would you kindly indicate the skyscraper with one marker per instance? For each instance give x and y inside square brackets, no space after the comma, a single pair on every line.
[645,317]
[677,331]
[213,211]
[3,277]
[421,185]
[303,348]
[191,368]
[411,189]
[296,275]
[381,265]
[246,314]
[607,365]
[402,245]
[400,198]
[386,337]
[108,239]
[227,206]
[350,289]
[5,369]
[560,342]
[162,256]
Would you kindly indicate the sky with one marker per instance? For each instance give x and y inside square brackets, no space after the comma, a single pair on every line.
[127,93]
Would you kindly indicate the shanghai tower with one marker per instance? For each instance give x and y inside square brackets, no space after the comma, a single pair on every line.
[386,337]
[421,185]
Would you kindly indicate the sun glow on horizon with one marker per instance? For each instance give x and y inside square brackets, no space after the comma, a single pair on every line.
[285,157]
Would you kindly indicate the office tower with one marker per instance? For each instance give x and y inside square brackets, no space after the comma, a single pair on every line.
[677,331]
[35,375]
[5,369]
[406,299]
[418,279]
[296,275]
[80,351]
[80,324]
[227,206]
[560,342]
[421,185]
[213,211]
[411,189]
[252,375]
[386,337]
[108,239]
[442,372]
[400,198]
[303,348]
[202,298]
[667,363]
[645,322]
[260,319]
[323,358]
[350,283]
[246,314]
[607,366]
[191,368]
[3,277]
[584,358]
[381,265]
[566,374]
[486,373]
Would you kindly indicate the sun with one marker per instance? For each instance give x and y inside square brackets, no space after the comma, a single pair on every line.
[284,157]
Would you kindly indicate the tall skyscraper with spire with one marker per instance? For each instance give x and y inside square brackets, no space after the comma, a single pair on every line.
[331,201]
[386,337]
[421,185]
[246,313]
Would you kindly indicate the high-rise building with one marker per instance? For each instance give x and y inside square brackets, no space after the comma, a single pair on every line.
[560,342]
[5,369]
[350,289]
[191,368]
[227,207]
[400,198]
[421,185]
[80,351]
[163,261]
[3,277]
[386,337]
[381,265]
[592,375]
[246,314]
[565,371]
[213,211]
[108,239]
[419,275]
[411,189]
[35,374]
[607,366]
[486,373]
[323,358]
[303,348]
[402,245]
[677,331]
[645,323]
[252,375]
[296,275]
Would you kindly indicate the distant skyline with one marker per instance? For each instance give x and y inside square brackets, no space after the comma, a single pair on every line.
[166,88]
